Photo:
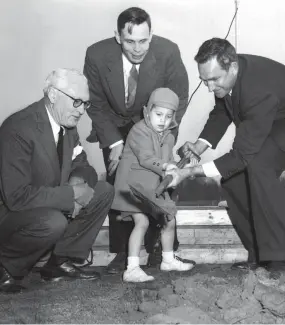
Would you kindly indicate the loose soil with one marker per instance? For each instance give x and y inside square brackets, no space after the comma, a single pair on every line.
[208,294]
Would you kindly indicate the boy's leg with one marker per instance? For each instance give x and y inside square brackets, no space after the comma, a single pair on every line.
[169,260]
[134,273]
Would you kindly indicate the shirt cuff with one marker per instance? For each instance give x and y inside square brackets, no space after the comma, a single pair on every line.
[205,141]
[115,144]
[210,169]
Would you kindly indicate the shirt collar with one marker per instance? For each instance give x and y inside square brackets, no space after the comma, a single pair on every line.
[127,65]
[54,126]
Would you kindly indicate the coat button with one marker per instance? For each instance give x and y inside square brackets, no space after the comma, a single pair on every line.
[158,164]
[154,163]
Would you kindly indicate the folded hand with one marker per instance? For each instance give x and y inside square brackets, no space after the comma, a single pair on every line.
[83,194]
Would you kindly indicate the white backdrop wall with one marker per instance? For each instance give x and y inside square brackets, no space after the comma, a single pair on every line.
[40,35]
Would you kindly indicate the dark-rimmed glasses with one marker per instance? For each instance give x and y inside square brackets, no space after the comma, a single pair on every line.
[76,101]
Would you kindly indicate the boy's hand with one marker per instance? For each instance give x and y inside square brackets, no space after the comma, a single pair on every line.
[178,175]
[114,158]
[170,166]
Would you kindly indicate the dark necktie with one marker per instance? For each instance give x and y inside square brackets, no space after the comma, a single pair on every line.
[229,106]
[60,147]
[132,86]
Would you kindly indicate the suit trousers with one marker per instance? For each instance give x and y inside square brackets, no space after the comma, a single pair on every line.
[120,231]
[256,203]
[27,235]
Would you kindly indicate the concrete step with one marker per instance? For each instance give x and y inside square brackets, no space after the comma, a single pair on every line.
[205,234]
[215,254]
[190,235]
[199,216]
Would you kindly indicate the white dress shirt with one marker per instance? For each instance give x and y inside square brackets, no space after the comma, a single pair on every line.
[127,66]
[55,127]
[55,131]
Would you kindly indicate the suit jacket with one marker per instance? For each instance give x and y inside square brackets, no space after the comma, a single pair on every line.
[162,67]
[30,175]
[256,106]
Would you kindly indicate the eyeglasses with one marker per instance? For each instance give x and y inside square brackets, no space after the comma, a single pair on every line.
[76,101]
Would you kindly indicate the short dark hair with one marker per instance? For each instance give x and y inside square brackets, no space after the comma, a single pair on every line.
[218,48]
[134,16]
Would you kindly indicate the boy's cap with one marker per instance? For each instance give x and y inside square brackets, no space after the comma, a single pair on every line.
[163,97]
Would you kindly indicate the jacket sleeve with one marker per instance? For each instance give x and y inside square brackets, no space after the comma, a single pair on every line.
[260,112]
[80,167]
[177,80]
[17,190]
[217,124]
[141,144]
[100,108]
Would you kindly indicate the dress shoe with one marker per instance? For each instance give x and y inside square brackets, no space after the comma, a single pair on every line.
[185,260]
[250,264]
[175,264]
[118,264]
[68,271]
[8,284]
[245,266]
[136,274]
[275,268]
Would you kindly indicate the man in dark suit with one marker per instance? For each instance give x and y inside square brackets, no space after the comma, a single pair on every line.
[122,72]
[50,196]
[250,91]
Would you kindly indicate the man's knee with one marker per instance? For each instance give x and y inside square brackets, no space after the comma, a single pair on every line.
[104,189]
[52,224]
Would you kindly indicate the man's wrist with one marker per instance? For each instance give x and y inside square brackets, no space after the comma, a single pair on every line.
[202,145]
[116,144]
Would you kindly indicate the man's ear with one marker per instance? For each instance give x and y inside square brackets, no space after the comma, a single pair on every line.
[150,35]
[118,37]
[52,94]
[234,66]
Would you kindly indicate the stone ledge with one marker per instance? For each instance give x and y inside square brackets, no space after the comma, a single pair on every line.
[207,216]
[188,236]
[202,255]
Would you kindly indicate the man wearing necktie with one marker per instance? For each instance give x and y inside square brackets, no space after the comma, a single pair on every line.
[122,73]
[51,199]
[249,91]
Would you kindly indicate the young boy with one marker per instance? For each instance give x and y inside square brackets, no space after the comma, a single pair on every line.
[147,154]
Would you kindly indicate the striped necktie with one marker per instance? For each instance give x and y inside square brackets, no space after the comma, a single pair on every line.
[132,86]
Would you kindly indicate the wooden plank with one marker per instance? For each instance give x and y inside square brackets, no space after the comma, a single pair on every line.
[213,236]
[213,255]
[199,216]
[189,236]
[203,217]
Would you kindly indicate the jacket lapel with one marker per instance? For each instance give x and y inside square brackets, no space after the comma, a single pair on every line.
[236,95]
[46,137]
[147,78]
[115,78]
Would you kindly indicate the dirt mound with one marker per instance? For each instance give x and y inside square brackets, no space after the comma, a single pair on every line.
[210,299]
[208,294]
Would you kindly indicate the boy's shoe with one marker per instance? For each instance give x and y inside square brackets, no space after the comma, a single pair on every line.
[136,275]
[176,265]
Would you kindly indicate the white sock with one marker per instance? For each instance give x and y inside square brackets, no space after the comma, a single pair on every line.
[133,261]
[167,256]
